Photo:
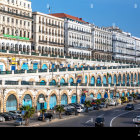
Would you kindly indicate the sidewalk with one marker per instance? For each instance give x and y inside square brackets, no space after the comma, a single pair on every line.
[40,123]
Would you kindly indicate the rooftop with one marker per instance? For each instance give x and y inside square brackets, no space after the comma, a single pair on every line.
[63,15]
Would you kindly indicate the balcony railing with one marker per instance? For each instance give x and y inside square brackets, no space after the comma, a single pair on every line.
[11,82]
[26,83]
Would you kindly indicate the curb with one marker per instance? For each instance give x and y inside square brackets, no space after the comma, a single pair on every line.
[55,120]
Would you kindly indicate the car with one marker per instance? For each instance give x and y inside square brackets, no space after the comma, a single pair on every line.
[96,107]
[131,99]
[138,96]
[74,104]
[70,111]
[81,109]
[129,107]
[112,103]
[19,121]
[2,119]
[90,108]
[103,105]
[137,120]
[14,116]
[46,115]
[99,122]
[6,116]
[16,112]
[69,107]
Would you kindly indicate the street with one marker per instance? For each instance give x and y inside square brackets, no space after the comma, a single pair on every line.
[116,117]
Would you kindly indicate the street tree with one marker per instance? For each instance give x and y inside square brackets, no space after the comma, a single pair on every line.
[60,109]
[42,111]
[28,113]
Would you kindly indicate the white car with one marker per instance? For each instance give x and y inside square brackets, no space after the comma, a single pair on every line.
[2,119]
[112,103]
[80,109]
[137,120]
[69,107]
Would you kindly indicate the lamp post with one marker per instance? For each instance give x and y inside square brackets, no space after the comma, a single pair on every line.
[3,90]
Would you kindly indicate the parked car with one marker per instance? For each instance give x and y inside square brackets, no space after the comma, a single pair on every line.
[46,115]
[138,96]
[137,120]
[90,108]
[80,109]
[19,121]
[129,107]
[12,115]
[2,119]
[18,113]
[112,103]
[131,99]
[74,104]
[69,107]
[99,122]
[70,111]
[96,107]
[6,116]
[103,105]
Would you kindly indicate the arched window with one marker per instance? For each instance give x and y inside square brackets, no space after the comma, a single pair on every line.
[92,81]
[124,79]
[62,81]
[119,79]
[64,99]
[11,103]
[86,79]
[115,79]
[99,80]
[104,80]
[131,78]
[127,79]
[110,79]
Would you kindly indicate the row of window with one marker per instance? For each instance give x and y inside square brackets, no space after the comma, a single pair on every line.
[20,3]
[49,21]
[16,21]
[15,32]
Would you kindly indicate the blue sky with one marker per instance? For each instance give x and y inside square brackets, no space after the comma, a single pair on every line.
[122,13]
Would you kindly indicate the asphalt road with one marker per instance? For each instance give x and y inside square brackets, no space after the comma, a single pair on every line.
[113,118]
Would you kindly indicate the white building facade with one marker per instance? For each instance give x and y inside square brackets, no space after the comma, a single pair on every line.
[15,25]
[48,34]
[102,43]
[78,36]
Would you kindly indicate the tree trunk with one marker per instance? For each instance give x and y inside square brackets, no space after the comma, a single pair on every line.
[60,117]
[43,119]
[27,122]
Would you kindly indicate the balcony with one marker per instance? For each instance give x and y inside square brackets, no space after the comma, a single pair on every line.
[11,82]
[5,72]
[26,83]
[31,71]
[19,71]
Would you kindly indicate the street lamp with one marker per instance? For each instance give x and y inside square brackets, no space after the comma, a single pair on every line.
[3,90]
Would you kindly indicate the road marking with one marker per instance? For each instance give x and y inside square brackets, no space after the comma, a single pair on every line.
[91,120]
[121,115]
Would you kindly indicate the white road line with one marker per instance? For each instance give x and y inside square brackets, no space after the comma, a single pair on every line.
[121,115]
[91,120]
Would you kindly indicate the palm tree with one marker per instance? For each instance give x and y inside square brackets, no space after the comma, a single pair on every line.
[42,111]
[60,109]
[87,104]
[29,112]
